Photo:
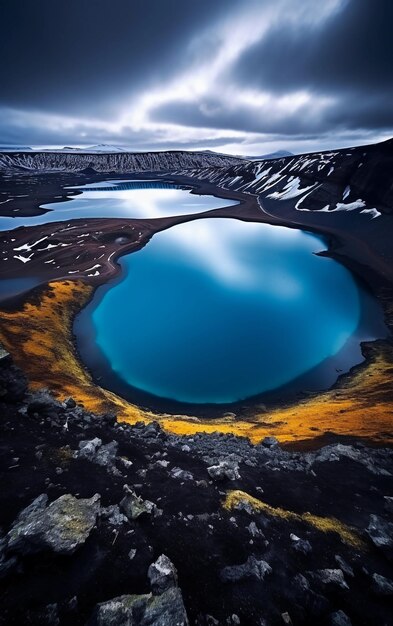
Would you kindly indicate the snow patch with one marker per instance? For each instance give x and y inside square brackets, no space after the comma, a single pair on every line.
[291,190]
[24,259]
[373,212]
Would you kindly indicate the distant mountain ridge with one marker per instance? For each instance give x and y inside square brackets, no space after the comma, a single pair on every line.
[118,162]
[272,155]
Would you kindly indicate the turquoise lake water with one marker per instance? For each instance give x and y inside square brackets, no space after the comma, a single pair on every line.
[123,199]
[219,310]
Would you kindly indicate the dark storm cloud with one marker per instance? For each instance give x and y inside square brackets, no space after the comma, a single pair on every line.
[195,73]
[351,50]
[212,114]
[349,57]
[67,55]
[34,135]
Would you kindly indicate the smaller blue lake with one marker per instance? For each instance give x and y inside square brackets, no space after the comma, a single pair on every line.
[122,199]
[219,310]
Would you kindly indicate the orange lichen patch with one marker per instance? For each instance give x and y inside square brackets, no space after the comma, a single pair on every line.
[237,499]
[39,337]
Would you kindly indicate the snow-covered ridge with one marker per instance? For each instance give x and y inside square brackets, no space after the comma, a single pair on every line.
[120,162]
[357,179]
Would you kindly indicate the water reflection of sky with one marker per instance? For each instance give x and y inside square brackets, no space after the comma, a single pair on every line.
[235,253]
[147,202]
[231,308]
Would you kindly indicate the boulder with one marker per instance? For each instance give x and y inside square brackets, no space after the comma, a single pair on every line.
[270,442]
[388,504]
[302,546]
[329,578]
[346,568]
[252,568]
[313,603]
[152,430]
[254,530]
[134,506]
[61,527]
[179,473]
[113,515]
[336,452]
[382,586]
[339,618]
[88,448]
[166,609]
[69,403]
[162,574]
[224,470]
[381,533]
[94,451]
[42,403]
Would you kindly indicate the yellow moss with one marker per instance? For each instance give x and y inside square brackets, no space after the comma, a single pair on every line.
[39,337]
[324,524]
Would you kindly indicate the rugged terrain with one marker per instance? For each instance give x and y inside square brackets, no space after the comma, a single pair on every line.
[118,162]
[177,518]
[251,534]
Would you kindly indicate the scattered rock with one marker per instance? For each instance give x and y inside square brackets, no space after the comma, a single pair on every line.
[381,533]
[339,618]
[96,452]
[339,451]
[113,515]
[300,545]
[388,506]
[329,578]
[252,568]
[254,530]
[62,527]
[134,506]
[313,603]
[166,609]
[162,574]
[88,449]
[49,616]
[44,404]
[382,586]
[270,442]
[69,403]
[346,568]
[180,474]
[224,470]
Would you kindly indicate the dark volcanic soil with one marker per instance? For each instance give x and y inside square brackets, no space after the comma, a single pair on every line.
[42,452]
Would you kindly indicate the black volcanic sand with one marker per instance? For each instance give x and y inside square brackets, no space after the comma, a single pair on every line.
[347,481]
[24,193]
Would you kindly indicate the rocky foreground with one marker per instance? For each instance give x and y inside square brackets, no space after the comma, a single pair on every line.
[105,523]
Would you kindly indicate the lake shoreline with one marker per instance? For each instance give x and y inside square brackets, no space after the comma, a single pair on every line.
[311,382]
[248,210]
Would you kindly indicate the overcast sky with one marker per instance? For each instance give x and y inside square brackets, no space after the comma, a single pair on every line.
[240,76]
